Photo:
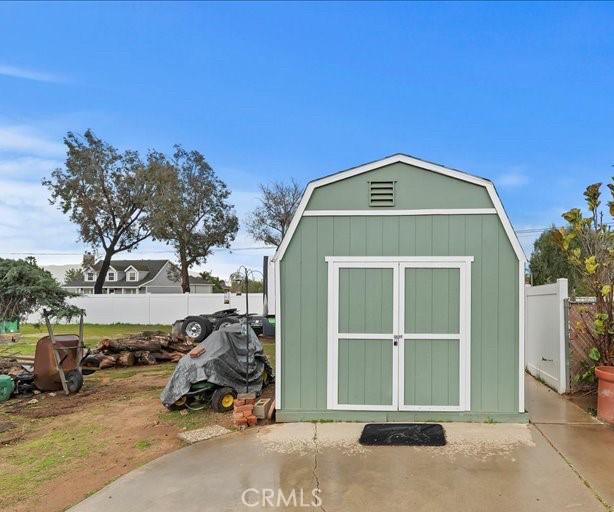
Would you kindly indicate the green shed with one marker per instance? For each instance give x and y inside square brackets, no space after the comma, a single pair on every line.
[399,297]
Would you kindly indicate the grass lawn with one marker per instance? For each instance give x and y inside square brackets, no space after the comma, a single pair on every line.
[93,333]
[57,451]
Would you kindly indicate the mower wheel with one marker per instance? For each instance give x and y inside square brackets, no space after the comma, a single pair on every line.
[178,404]
[223,399]
[74,381]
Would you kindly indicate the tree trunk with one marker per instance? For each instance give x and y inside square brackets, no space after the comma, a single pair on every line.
[144,357]
[126,359]
[108,361]
[185,277]
[132,345]
[102,273]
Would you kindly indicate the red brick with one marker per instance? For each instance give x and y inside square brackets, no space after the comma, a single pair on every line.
[238,415]
[252,420]
[239,402]
[248,408]
[240,421]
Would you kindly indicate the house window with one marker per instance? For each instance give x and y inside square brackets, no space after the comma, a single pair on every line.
[111,276]
[131,276]
[89,276]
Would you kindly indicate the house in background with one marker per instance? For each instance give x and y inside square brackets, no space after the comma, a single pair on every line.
[137,276]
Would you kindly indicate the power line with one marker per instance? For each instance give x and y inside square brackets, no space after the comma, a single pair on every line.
[519,232]
[155,251]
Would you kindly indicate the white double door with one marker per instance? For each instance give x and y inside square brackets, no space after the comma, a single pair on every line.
[399,333]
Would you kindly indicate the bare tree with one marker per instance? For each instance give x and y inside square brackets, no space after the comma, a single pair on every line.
[269,222]
[105,193]
[192,214]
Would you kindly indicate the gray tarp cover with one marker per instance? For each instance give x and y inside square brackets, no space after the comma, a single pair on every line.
[222,363]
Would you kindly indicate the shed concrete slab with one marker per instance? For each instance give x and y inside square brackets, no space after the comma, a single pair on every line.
[483,467]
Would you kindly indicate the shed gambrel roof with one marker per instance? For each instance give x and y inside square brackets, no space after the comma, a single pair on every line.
[415,162]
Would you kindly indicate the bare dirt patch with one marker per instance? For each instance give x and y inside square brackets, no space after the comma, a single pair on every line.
[57,451]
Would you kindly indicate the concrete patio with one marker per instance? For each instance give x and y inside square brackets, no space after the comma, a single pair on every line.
[551,464]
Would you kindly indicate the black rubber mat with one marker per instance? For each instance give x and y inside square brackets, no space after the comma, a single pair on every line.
[403,434]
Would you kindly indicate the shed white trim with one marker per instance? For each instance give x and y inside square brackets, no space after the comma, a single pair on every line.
[425,261]
[402,213]
[397,336]
[278,368]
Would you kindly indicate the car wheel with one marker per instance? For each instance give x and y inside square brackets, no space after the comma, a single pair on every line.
[196,328]
[223,399]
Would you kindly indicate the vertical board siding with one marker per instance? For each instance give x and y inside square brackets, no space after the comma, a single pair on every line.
[325,247]
[365,300]
[291,305]
[365,372]
[494,311]
[432,300]
[415,188]
[308,317]
[432,372]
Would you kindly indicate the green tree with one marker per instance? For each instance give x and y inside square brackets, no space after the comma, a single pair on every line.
[237,284]
[270,221]
[26,288]
[73,274]
[589,245]
[106,194]
[219,286]
[550,262]
[193,214]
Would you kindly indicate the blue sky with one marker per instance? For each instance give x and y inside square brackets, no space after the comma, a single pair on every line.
[521,93]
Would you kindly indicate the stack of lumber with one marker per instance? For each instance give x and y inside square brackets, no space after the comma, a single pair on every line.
[139,349]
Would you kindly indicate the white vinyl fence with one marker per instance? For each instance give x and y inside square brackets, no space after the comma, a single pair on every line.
[151,308]
[546,340]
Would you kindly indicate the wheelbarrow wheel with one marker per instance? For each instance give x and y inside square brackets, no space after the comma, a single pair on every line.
[74,381]
[223,399]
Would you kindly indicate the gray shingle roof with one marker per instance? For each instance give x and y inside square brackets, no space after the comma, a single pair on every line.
[152,267]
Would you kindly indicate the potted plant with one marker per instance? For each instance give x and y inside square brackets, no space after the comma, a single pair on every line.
[589,245]
[605,393]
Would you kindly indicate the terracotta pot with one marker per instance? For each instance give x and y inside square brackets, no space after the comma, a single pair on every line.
[605,393]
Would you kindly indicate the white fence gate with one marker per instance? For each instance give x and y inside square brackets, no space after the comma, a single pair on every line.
[546,333]
[152,308]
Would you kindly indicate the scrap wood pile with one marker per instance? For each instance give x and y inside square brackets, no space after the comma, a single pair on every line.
[11,364]
[138,349]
